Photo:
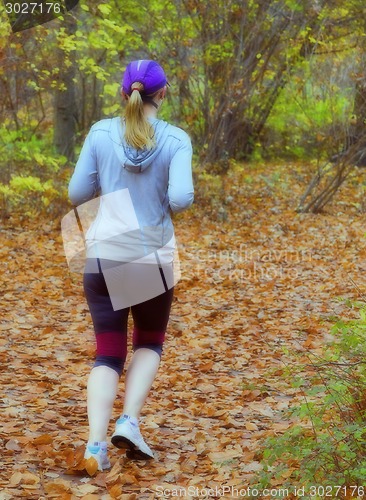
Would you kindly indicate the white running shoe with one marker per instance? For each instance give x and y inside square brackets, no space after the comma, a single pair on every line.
[128,435]
[99,452]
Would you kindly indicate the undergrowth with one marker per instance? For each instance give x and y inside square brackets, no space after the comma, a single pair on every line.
[327,445]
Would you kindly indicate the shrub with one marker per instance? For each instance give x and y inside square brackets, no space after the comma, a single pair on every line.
[28,195]
[327,446]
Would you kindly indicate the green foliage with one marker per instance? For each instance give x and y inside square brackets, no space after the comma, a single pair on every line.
[253,79]
[311,116]
[28,196]
[327,444]
[28,152]
[33,177]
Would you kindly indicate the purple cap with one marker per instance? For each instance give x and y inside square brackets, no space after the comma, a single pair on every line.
[144,71]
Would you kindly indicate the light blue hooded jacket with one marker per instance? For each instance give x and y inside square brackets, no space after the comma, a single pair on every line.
[137,189]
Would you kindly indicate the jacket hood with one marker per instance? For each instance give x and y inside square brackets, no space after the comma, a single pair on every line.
[137,160]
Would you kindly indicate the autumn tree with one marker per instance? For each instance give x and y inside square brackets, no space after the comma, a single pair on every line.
[348,143]
[227,66]
[233,61]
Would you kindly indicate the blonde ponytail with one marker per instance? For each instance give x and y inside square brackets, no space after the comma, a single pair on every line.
[139,133]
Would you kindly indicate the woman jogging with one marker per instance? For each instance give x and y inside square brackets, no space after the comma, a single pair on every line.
[140,166]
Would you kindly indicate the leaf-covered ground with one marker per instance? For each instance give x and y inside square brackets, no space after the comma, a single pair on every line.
[259,281]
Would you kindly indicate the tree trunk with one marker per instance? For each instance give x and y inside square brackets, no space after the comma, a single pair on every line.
[65,98]
[357,129]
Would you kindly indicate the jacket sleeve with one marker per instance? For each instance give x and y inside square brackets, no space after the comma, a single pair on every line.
[180,189]
[84,183]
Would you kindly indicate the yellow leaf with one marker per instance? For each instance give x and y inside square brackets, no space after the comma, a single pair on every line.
[29,478]
[57,488]
[222,456]
[250,426]
[91,466]
[15,478]
[127,479]
[115,491]
[87,489]
[44,439]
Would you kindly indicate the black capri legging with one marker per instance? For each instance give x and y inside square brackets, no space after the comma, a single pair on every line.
[150,320]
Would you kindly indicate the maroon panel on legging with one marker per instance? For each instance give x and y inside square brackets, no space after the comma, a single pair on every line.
[147,336]
[111,344]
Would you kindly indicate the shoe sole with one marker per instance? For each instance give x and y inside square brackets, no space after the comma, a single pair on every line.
[137,455]
[133,451]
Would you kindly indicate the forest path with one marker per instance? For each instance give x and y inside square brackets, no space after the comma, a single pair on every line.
[259,283]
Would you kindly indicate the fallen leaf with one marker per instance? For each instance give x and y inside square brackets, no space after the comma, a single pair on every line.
[91,466]
[15,478]
[250,426]
[222,456]
[44,439]
[13,445]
